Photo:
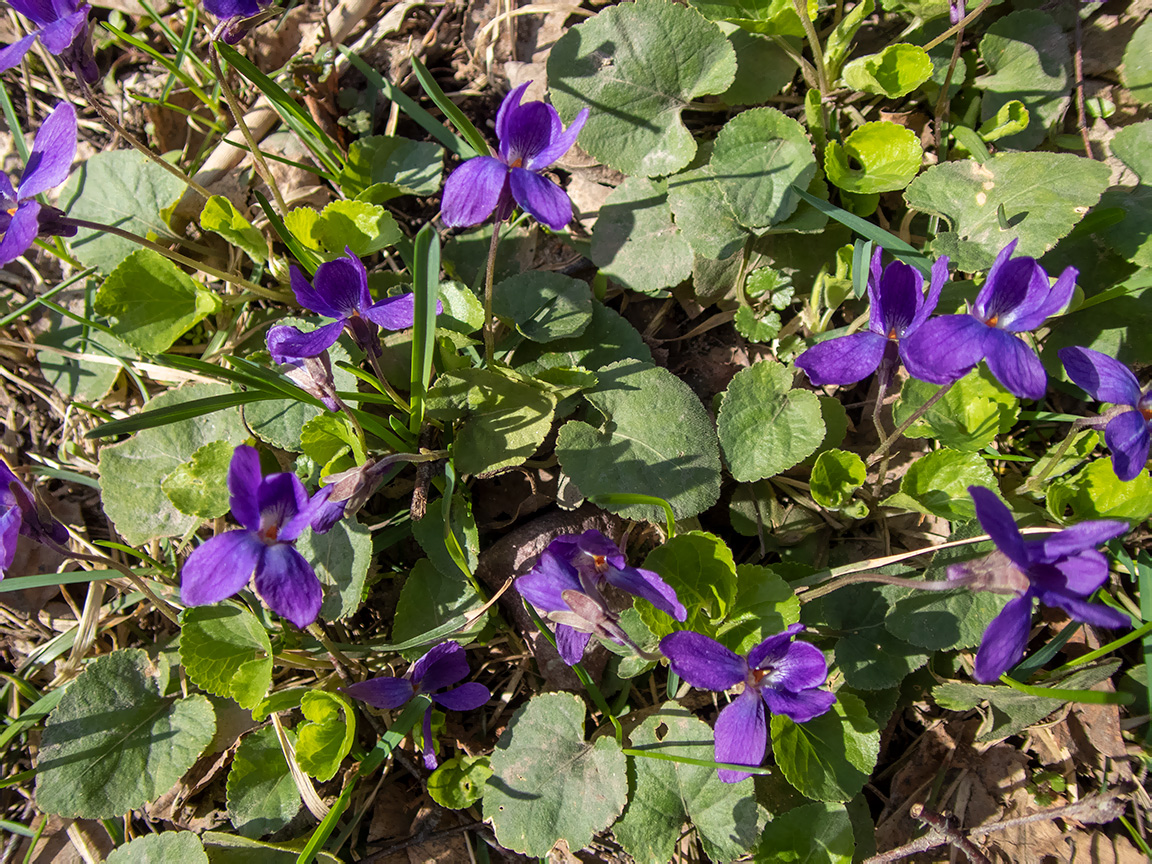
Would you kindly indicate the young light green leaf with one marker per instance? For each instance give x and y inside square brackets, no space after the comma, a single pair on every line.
[888,154]
[974,411]
[326,736]
[969,196]
[114,743]
[132,471]
[120,188]
[894,72]
[656,436]
[699,568]
[459,782]
[757,328]
[937,484]
[835,476]
[226,651]
[362,227]
[330,441]
[1011,119]
[839,41]
[401,166]
[830,757]
[1096,492]
[818,833]
[662,57]
[221,217]
[153,301]
[547,783]
[636,243]
[767,17]
[199,487]
[171,847]
[262,796]
[727,816]
[765,425]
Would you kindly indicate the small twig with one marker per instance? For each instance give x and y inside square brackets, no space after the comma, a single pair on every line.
[419,839]
[1078,68]
[887,443]
[949,827]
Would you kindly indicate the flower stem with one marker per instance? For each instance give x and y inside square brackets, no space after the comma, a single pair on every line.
[238,113]
[107,117]
[489,278]
[887,443]
[1032,484]
[817,51]
[238,281]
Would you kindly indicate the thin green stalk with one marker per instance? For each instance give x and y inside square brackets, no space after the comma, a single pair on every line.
[887,443]
[489,278]
[703,763]
[238,113]
[238,281]
[1114,645]
[50,293]
[817,50]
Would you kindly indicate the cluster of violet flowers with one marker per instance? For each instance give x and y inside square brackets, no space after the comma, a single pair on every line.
[780,674]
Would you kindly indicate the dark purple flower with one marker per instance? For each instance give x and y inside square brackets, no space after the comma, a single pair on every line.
[956,11]
[62,29]
[567,585]
[232,15]
[340,292]
[1017,297]
[22,217]
[443,665]
[1060,569]
[780,673]
[899,308]
[20,514]
[1106,379]
[531,138]
[274,510]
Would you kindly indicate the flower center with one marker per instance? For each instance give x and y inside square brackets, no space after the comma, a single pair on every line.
[600,563]
[269,532]
[12,210]
[892,334]
[991,322]
[518,162]
[1147,414]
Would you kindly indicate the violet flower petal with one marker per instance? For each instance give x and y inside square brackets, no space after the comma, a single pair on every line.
[703,662]
[309,297]
[844,359]
[393,313]
[244,478]
[385,693]
[52,152]
[220,567]
[443,665]
[11,55]
[570,643]
[1127,437]
[988,290]
[10,520]
[801,706]
[527,133]
[560,144]
[288,585]
[22,230]
[1082,537]
[996,519]
[543,585]
[741,735]
[279,497]
[473,191]
[508,106]
[802,667]
[287,343]
[1011,294]
[774,648]
[1103,378]
[900,294]
[1004,641]
[466,697]
[1015,365]
[648,586]
[40,12]
[945,348]
[546,201]
[1096,614]
[314,512]
[935,286]
[343,285]
[58,36]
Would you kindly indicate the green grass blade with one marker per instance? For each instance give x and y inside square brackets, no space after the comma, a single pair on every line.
[627,499]
[459,120]
[457,145]
[176,413]
[426,283]
[306,258]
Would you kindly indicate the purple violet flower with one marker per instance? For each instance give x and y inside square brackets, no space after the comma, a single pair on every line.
[274,510]
[567,585]
[899,308]
[20,514]
[233,15]
[443,665]
[1016,297]
[1060,569]
[62,28]
[340,292]
[531,138]
[783,674]
[1126,429]
[22,217]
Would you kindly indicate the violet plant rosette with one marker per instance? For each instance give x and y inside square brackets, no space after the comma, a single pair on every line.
[441,667]
[62,28]
[567,585]
[1061,569]
[1016,298]
[531,137]
[1126,426]
[340,291]
[273,511]
[21,515]
[899,308]
[780,675]
[22,217]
